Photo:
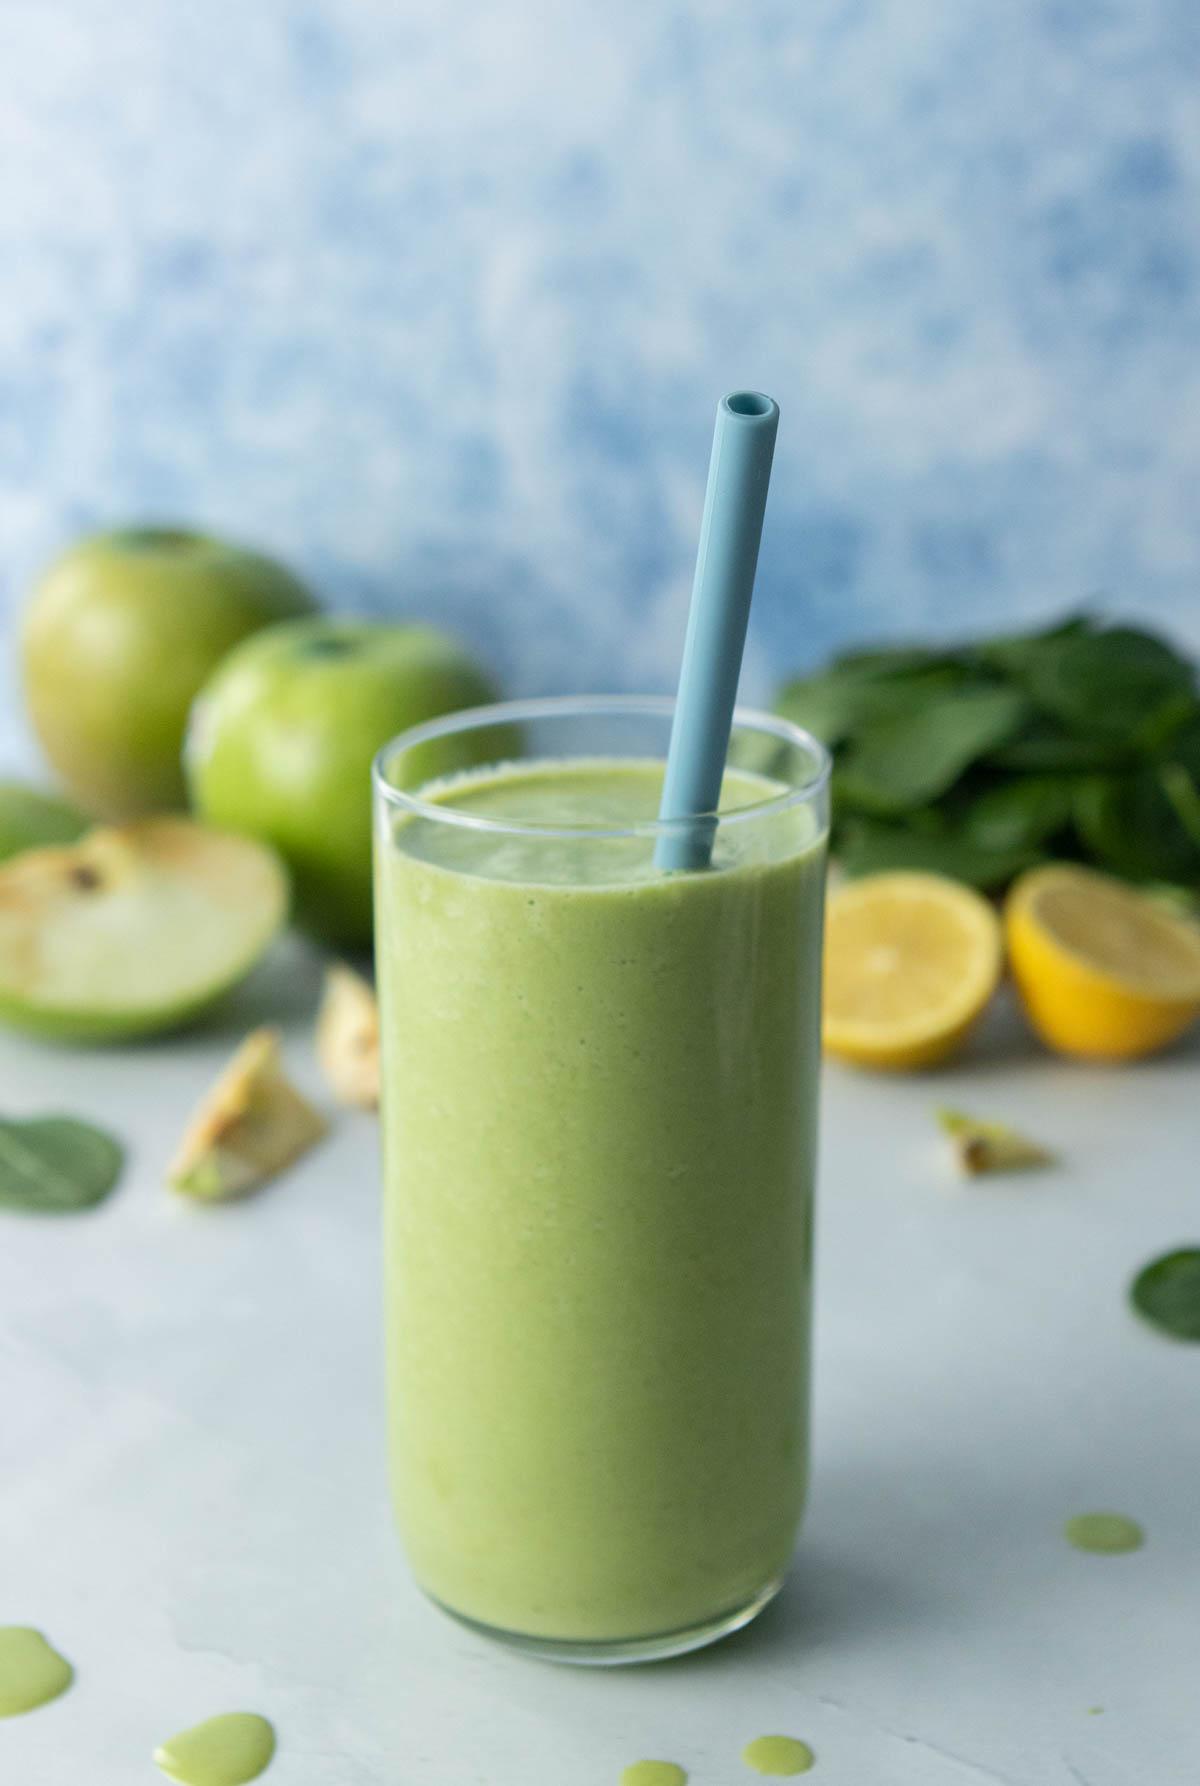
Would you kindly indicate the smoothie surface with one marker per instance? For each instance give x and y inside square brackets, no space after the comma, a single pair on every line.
[576,801]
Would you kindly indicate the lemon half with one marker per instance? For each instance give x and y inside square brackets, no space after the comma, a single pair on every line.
[911,961]
[1104,971]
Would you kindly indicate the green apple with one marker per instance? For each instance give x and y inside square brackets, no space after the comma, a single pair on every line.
[118,636]
[282,739]
[29,817]
[133,929]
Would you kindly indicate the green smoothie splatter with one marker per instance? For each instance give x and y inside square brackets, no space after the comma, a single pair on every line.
[224,1751]
[778,1755]
[654,1773]
[1106,1534]
[31,1670]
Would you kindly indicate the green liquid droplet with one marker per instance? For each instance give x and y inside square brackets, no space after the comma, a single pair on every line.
[31,1671]
[225,1751]
[654,1773]
[778,1755]
[1105,1534]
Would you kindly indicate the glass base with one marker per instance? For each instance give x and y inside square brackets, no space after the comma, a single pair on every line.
[618,1651]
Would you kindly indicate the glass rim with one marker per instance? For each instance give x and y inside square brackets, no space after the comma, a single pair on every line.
[746,719]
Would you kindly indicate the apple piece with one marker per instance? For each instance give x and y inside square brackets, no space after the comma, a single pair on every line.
[991,1146]
[136,928]
[250,1126]
[282,740]
[348,1038]
[29,817]
[117,637]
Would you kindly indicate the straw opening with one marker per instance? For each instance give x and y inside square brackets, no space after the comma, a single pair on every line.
[748,403]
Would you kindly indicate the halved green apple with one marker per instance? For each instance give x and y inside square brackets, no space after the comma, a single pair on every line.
[29,817]
[134,929]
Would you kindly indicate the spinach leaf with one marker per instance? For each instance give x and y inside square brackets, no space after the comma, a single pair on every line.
[867,846]
[910,758]
[1012,652]
[829,706]
[1019,814]
[1165,724]
[1179,785]
[890,661]
[1129,824]
[1045,748]
[1116,683]
[836,703]
[1185,747]
[1166,1293]
[1081,738]
[55,1163]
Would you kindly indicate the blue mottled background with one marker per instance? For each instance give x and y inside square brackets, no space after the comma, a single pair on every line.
[436,300]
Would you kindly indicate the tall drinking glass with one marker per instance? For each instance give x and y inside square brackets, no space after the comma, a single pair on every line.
[599,1104]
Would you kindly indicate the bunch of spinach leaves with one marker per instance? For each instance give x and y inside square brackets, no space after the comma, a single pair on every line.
[980,760]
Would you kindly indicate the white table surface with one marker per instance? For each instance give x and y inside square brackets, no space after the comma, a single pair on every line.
[193,1500]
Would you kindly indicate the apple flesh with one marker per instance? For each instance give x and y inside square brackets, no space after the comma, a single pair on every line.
[252,1124]
[283,737]
[136,928]
[348,1038]
[118,636]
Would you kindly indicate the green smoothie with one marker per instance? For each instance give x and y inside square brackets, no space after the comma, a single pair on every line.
[599,1109]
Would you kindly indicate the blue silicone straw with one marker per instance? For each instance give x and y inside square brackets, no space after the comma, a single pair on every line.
[738,474]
